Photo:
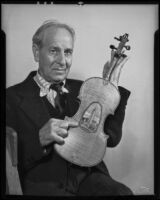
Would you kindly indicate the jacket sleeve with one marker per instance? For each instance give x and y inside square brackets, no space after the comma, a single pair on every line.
[11,109]
[113,124]
[29,149]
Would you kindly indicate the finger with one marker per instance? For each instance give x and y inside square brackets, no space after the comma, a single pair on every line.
[58,139]
[55,122]
[72,124]
[54,137]
[67,124]
[62,132]
[64,124]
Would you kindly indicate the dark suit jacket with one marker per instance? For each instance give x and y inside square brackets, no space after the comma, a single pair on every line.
[26,114]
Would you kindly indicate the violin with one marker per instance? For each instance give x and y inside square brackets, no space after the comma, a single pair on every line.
[86,144]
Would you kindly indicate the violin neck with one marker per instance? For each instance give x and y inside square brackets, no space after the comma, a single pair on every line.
[109,70]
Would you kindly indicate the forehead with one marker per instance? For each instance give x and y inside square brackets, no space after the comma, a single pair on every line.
[57,35]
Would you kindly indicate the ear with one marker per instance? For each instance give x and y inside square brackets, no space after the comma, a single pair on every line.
[35,50]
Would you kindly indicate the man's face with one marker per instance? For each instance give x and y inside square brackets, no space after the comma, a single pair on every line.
[55,54]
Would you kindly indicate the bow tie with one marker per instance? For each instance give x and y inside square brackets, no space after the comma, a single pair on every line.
[59,88]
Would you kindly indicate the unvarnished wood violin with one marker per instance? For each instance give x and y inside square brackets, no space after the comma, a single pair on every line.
[86,144]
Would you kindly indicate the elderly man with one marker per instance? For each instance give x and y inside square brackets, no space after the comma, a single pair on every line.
[36,111]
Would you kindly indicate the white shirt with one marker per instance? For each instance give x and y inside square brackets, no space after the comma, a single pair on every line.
[45,88]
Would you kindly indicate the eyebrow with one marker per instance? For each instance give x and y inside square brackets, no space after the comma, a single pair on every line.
[57,48]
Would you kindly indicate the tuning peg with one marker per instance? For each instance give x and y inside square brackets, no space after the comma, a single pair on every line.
[117,38]
[112,47]
[124,55]
[127,47]
[125,36]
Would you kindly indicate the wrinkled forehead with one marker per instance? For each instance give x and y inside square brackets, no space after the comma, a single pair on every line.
[57,35]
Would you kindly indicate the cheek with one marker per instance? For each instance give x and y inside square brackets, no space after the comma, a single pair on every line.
[46,60]
[69,62]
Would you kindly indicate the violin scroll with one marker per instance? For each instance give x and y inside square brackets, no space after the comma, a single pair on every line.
[123,40]
[116,55]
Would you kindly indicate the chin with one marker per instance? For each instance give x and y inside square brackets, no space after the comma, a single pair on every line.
[59,78]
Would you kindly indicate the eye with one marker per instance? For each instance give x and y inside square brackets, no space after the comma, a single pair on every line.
[68,52]
[52,51]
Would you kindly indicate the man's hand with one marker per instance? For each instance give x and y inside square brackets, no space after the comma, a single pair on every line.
[55,130]
[112,69]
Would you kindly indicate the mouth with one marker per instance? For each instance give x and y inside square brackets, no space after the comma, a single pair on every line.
[59,69]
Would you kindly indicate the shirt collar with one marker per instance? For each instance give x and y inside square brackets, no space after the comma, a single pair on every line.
[45,85]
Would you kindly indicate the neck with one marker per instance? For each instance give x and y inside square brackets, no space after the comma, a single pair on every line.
[51,82]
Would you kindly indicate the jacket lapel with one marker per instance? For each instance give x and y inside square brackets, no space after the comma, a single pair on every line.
[35,109]
[32,104]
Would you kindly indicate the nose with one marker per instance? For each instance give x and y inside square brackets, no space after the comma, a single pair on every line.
[61,59]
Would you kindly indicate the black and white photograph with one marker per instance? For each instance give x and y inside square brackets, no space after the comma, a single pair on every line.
[80,99]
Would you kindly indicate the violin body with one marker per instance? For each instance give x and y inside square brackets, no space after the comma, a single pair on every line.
[86,144]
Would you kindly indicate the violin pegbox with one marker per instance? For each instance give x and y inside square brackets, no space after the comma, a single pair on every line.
[122,41]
